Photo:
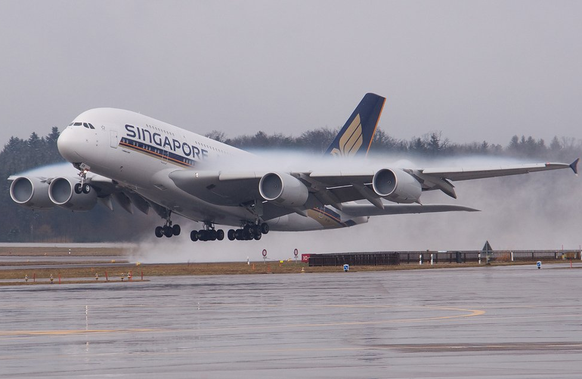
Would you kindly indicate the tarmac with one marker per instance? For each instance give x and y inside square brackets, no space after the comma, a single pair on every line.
[486,322]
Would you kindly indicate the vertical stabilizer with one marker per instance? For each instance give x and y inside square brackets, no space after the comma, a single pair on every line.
[356,136]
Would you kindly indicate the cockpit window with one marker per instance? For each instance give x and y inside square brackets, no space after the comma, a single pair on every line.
[83,124]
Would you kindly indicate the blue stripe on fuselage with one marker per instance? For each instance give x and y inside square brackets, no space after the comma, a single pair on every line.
[156,152]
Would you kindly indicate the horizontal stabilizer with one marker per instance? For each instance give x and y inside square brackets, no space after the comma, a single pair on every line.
[357,210]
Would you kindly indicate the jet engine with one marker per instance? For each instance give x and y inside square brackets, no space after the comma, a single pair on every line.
[396,185]
[62,192]
[283,189]
[31,193]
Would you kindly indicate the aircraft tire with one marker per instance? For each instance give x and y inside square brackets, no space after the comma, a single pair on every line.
[265,228]
[86,188]
[176,230]
[220,234]
[194,236]
[258,236]
[78,188]
[231,235]
[168,231]
[159,232]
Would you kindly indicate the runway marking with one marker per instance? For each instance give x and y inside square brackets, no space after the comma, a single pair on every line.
[71,332]
[510,346]
[470,313]
[410,348]
[464,314]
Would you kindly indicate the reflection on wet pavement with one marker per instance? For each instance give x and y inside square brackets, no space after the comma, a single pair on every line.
[482,323]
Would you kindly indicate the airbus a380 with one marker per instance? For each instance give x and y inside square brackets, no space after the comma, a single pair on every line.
[149,164]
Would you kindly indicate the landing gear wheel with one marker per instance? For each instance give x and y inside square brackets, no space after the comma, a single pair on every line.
[168,231]
[258,236]
[176,230]
[265,228]
[231,234]
[86,188]
[202,235]
[159,232]
[194,236]
[220,234]
[78,188]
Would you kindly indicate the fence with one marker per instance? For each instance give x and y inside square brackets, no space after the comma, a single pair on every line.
[408,257]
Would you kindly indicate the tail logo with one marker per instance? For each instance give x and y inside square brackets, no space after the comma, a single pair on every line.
[351,140]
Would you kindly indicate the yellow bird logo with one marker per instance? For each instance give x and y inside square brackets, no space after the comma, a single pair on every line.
[351,141]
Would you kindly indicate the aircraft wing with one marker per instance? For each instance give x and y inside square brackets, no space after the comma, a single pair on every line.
[219,187]
[336,187]
[357,210]
[456,174]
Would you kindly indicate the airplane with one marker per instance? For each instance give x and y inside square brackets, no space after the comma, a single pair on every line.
[148,164]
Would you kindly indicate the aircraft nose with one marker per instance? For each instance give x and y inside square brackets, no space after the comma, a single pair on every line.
[67,146]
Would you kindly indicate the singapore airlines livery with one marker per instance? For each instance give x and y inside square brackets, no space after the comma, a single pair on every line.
[148,164]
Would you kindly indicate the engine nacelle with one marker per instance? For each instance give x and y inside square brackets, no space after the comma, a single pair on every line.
[283,189]
[62,193]
[396,185]
[31,193]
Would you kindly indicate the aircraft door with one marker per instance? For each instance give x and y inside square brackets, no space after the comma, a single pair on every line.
[114,140]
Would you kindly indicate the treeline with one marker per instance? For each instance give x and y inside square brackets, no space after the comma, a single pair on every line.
[19,224]
[429,145]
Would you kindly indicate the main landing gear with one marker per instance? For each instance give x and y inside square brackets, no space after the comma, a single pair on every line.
[168,229]
[208,234]
[247,233]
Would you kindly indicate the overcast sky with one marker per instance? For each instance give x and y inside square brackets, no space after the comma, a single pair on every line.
[475,70]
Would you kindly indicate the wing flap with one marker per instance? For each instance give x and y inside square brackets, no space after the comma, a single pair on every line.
[216,187]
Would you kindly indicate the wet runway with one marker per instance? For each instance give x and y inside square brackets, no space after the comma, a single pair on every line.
[490,322]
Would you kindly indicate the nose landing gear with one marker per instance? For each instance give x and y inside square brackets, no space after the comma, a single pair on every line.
[83,187]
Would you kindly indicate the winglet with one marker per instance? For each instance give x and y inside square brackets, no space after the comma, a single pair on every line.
[357,134]
[574,166]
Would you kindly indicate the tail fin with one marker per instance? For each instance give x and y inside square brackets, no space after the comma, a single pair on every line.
[356,136]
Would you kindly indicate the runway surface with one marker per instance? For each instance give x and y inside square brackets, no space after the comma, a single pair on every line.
[489,322]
